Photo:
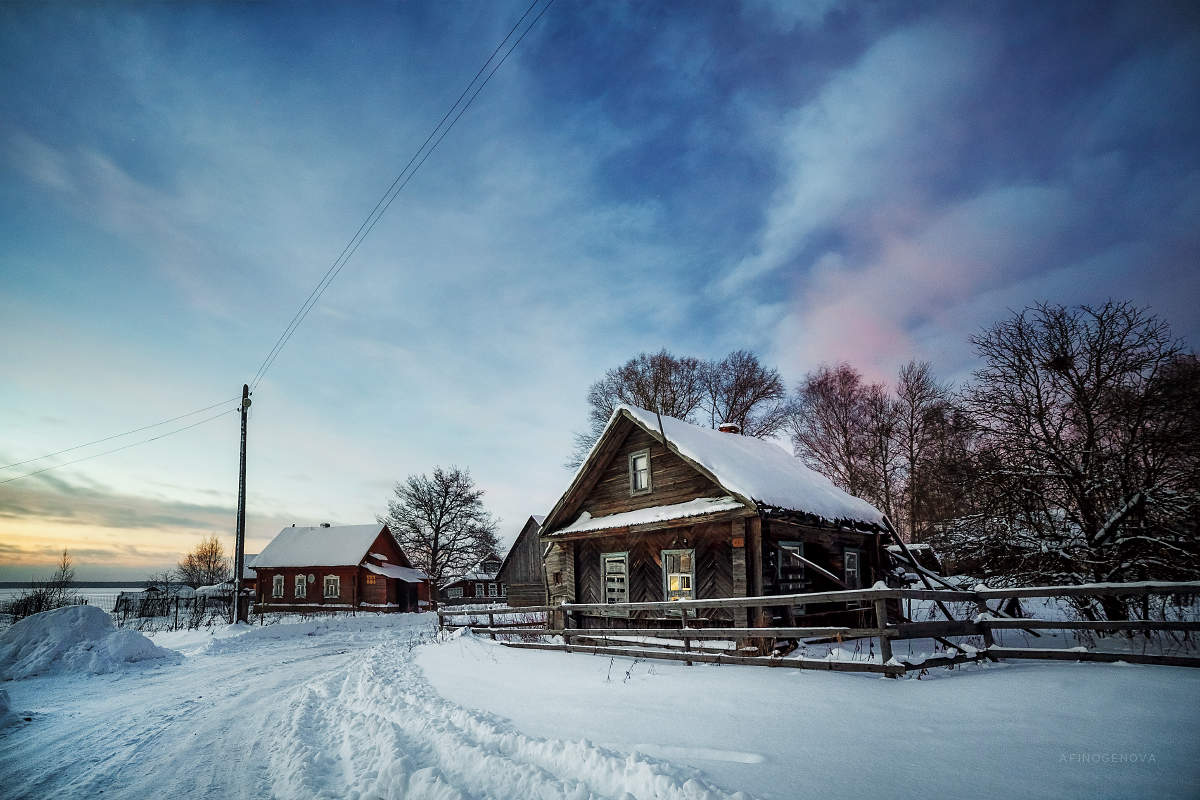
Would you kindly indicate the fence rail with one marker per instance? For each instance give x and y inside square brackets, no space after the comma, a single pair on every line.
[752,643]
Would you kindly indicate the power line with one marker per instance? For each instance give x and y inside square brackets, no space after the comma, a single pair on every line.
[117,435]
[295,320]
[122,447]
[348,251]
[397,186]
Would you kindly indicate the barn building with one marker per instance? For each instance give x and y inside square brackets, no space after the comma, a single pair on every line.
[521,572]
[479,584]
[350,568]
[665,510]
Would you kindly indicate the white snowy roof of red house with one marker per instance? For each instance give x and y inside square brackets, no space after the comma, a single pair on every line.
[749,468]
[318,546]
[407,574]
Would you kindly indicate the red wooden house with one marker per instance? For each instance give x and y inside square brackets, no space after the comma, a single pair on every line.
[351,567]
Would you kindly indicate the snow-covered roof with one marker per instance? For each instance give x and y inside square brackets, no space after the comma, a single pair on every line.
[692,508]
[477,573]
[248,565]
[407,574]
[754,469]
[317,546]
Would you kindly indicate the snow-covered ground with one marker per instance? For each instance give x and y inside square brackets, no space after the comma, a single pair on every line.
[368,707]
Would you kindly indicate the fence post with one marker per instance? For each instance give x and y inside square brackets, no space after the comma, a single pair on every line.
[881,622]
[988,638]
[492,624]
[175,625]
[687,643]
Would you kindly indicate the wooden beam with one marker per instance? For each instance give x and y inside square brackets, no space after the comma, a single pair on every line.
[741,602]
[1091,655]
[1092,625]
[1094,589]
[462,611]
[726,633]
[713,658]
[930,630]
[944,661]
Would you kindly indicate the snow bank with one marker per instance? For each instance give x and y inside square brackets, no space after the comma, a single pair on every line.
[78,639]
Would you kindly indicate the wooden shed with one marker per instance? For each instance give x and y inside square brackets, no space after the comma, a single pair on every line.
[521,571]
[665,510]
[349,568]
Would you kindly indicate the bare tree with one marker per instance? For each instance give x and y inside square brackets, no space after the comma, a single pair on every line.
[827,423]
[162,580]
[440,523]
[920,406]
[880,450]
[205,565]
[54,592]
[62,580]
[661,382]
[739,389]
[1087,459]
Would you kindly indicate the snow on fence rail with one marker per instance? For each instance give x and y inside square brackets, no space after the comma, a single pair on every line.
[751,644]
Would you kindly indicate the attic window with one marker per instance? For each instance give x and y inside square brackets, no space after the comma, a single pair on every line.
[639,472]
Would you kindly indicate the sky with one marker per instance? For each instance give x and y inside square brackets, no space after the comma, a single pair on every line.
[816,182]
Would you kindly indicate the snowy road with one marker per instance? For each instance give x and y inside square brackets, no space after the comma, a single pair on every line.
[293,712]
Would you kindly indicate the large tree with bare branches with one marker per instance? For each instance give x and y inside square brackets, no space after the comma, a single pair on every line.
[737,388]
[1088,448]
[440,523]
[206,564]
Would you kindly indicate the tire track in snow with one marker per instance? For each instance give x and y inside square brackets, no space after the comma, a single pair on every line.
[380,730]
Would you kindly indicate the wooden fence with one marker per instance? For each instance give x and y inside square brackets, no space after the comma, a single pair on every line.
[750,645]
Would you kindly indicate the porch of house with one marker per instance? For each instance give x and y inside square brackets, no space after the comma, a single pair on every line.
[725,556]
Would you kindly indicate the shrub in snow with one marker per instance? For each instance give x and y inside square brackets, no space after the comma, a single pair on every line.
[73,639]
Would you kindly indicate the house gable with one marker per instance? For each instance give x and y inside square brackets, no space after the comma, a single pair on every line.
[602,487]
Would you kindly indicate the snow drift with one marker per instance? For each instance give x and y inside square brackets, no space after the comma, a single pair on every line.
[73,639]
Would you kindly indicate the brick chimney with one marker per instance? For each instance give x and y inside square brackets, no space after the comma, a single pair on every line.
[729,427]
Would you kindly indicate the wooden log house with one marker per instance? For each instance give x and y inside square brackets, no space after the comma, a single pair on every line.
[479,584]
[345,568]
[665,510]
[521,572]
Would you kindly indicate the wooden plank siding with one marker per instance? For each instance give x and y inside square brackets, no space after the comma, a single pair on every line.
[672,480]
[522,570]
[825,547]
[713,568]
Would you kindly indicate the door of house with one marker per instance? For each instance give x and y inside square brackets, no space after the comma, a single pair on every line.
[614,572]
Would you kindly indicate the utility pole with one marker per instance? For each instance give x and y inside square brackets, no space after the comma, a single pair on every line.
[239,548]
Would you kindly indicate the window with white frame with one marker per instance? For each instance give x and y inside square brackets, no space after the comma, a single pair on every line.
[679,574]
[504,590]
[853,559]
[277,586]
[333,586]
[492,590]
[639,472]
[455,591]
[852,567]
[479,590]
[301,586]
[614,571]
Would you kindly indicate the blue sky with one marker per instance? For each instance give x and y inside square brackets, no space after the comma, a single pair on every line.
[814,181]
